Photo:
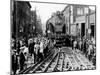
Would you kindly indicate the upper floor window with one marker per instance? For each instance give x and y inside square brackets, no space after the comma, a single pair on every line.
[80,11]
[86,10]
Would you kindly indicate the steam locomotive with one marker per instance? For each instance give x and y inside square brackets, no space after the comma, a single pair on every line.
[56,29]
[56,24]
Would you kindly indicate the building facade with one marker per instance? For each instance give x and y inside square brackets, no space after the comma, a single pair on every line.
[21,19]
[80,20]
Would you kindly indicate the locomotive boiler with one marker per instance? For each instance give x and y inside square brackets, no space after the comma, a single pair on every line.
[56,29]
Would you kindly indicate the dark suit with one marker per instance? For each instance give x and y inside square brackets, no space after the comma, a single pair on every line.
[18,48]
[31,48]
[46,51]
[22,61]
[14,63]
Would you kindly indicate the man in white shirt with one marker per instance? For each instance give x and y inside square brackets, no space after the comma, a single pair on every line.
[36,50]
[41,47]
[41,52]
[75,44]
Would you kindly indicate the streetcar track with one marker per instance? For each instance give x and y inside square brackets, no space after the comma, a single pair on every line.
[50,64]
[59,65]
[33,70]
[35,65]
[84,61]
[43,63]
[55,68]
[61,61]
[52,61]
[78,65]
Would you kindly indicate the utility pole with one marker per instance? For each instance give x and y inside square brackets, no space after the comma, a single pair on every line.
[35,20]
[69,19]
[89,31]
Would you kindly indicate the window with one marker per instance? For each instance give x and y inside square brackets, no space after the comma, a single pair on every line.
[86,10]
[79,11]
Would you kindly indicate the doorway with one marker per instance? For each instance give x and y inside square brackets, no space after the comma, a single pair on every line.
[92,30]
[82,29]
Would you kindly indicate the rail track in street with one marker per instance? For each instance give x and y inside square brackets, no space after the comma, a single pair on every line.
[63,60]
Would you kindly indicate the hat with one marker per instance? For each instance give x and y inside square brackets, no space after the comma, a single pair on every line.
[15,50]
[22,47]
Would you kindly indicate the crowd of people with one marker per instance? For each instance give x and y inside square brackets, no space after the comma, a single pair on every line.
[87,47]
[37,48]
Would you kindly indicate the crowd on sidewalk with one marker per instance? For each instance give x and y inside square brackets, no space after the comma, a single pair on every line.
[36,48]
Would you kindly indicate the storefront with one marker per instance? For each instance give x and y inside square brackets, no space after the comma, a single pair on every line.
[92,25]
[81,26]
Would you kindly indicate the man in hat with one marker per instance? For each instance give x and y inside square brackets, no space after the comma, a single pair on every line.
[14,62]
[41,51]
[36,52]
[31,48]
[22,60]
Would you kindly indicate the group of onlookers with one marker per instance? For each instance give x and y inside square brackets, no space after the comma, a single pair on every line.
[36,48]
[87,47]
[18,56]
[39,47]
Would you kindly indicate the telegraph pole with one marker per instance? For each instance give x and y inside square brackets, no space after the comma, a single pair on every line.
[69,19]
[35,22]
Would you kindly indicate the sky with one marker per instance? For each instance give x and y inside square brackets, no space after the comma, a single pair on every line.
[45,10]
[92,7]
